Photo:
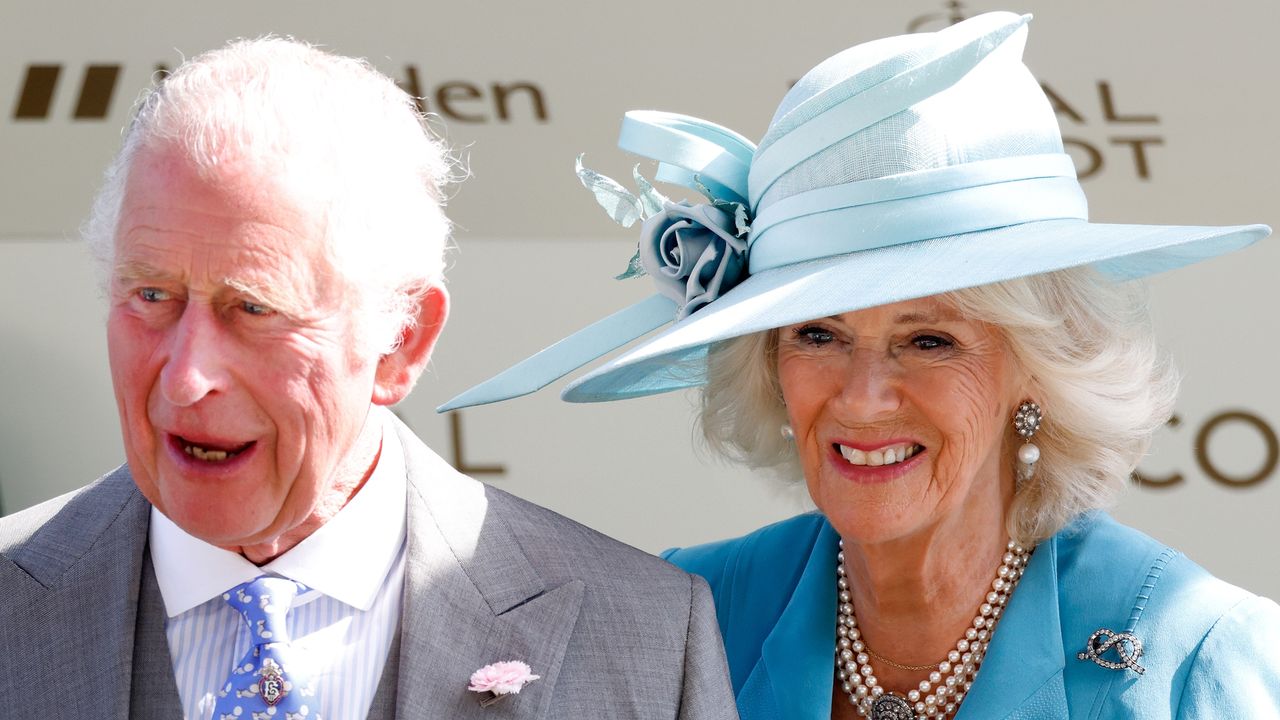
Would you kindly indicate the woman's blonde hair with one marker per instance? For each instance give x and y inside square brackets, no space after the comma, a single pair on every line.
[1084,339]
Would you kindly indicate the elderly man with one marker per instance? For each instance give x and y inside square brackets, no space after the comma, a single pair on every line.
[278,545]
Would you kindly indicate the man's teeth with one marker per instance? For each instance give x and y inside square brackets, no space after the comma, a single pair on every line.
[883,456]
[207,455]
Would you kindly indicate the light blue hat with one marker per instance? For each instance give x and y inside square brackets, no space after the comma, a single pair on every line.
[898,169]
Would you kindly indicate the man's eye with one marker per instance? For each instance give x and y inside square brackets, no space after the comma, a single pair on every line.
[254,308]
[153,295]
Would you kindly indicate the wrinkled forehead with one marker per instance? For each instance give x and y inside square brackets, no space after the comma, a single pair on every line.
[253,181]
[243,220]
[930,309]
[167,183]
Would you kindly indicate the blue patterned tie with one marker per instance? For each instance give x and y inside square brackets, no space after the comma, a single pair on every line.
[268,683]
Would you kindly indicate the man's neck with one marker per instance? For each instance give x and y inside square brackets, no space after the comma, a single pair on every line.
[366,452]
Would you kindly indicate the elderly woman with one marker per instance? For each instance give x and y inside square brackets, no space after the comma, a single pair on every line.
[898,294]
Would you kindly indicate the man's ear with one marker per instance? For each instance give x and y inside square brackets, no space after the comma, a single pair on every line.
[399,369]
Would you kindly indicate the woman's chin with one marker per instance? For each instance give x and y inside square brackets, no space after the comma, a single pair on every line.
[869,522]
[874,512]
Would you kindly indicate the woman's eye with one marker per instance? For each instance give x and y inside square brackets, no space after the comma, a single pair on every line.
[153,295]
[930,342]
[815,335]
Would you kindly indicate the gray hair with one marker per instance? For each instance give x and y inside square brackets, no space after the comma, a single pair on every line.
[1085,340]
[288,108]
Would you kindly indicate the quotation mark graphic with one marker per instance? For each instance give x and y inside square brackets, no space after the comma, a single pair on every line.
[39,88]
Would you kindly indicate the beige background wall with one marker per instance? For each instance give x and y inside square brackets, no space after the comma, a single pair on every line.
[1169,112]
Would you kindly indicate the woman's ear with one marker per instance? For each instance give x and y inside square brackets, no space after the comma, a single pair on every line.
[399,369]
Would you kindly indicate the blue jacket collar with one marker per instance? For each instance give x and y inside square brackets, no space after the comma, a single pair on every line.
[794,675]
[1025,656]
[798,655]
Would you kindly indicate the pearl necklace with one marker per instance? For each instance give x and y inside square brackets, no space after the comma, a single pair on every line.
[940,694]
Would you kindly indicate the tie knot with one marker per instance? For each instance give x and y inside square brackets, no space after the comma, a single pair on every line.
[263,603]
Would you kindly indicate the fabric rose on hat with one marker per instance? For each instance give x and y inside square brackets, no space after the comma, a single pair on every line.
[693,253]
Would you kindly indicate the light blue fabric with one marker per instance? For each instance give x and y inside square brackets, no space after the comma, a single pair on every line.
[898,169]
[840,229]
[924,184]
[535,372]
[694,153]
[687,148]
[1212,650]
[942,65]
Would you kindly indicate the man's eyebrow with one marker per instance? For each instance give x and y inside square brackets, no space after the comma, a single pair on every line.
[284,303]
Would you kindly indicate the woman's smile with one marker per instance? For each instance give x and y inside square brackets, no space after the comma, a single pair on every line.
[881,462]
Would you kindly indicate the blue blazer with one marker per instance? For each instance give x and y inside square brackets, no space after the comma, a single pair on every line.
[1212,650]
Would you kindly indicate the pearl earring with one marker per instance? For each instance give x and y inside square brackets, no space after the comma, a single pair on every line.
[787,433]
[1026,422]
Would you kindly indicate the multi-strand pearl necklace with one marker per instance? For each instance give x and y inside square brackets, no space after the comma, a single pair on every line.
[940,694]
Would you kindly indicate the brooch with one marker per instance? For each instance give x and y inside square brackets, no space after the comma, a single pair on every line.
[1127,646]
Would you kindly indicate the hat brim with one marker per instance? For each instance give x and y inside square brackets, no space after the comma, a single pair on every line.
[838,284]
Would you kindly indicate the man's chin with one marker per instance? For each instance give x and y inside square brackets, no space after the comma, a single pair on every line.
[218,523]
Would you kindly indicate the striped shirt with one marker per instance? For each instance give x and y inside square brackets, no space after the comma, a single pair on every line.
[345,624]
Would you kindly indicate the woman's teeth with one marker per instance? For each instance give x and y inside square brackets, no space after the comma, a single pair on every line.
[883,456]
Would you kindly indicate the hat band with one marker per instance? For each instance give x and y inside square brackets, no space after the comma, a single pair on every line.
[826,228]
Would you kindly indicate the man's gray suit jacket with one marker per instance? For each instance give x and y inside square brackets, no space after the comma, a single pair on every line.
[612,631]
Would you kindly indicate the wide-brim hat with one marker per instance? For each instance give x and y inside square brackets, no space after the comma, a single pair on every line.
[898,169]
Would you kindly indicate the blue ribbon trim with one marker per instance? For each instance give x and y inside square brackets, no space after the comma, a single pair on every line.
[918,206]
[686,147]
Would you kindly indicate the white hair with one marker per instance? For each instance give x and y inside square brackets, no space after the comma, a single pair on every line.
[287,108]
[1096,369]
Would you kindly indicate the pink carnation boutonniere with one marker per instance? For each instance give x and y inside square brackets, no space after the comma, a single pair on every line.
[500,679]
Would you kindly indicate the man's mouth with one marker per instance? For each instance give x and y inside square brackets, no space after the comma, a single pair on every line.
[890,455]
[211,453]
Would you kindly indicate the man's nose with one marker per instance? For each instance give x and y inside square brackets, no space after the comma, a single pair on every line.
[196,366]
[872,386]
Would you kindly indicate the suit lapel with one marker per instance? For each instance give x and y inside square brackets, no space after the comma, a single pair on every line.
[84,562]
[154,690]
[1022,671]
[472,598]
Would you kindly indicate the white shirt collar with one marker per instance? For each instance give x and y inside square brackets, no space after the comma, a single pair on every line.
[347,558]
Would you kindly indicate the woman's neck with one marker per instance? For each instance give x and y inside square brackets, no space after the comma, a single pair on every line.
[915,596]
